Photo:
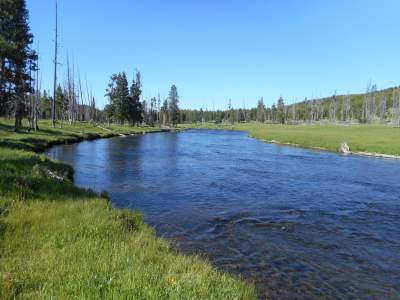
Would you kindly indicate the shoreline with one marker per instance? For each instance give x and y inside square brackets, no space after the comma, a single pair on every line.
[356,153]
[40,148]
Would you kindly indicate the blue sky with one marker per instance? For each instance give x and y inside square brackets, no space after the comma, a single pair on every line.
[219,50]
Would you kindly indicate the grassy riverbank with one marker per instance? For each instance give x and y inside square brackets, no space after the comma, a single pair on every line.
[361,138]
[60,241]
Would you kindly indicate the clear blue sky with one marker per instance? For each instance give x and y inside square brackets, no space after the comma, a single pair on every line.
[216,50]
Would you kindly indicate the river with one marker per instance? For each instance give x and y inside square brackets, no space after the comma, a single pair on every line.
[298,223]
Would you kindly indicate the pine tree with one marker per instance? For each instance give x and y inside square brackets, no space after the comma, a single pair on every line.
[118,94]
[135,110]
[274,113]
[173,109]
[17,59]
[61,103]
[281,111]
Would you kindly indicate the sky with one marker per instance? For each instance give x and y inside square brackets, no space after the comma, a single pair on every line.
[214,51]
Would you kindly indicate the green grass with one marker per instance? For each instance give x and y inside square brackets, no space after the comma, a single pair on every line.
[361,138]
[63,133]
[58,241]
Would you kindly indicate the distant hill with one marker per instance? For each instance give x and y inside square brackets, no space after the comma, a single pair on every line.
[363,107]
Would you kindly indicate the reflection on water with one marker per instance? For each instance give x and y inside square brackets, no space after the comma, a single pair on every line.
[298,223]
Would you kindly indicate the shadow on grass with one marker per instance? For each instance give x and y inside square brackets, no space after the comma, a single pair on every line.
[26,165]
[38,144]
[28,130]
[34,188]
[6,127]
[14,144]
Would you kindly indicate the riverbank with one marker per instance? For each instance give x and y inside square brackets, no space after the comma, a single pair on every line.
[366,140]
[60,241]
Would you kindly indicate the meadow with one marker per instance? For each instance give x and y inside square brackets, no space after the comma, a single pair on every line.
[377,138]
[60,241]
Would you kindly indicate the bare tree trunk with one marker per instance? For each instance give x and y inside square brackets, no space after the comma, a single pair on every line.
[332,109]
[396,108]
[346,108]
[18,111]
[35,98]
[53,106]
[382,109]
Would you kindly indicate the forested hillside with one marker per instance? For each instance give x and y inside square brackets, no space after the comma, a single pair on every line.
[374,106]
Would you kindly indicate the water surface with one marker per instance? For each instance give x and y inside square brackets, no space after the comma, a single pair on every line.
[298,223]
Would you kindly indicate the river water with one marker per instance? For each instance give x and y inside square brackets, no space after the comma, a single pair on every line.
[298,223]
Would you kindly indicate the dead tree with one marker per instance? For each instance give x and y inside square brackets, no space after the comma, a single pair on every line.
[372,104]
[53,106]
[93,111]
[80,109]
[396,108]
[382,109]
[71,92]
[346,108]
[159,110]
[36,98]
[332,109]
[369,104]
[294,116]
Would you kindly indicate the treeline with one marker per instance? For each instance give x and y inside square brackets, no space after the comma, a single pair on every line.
[261,113]
[71,99]
[371,107]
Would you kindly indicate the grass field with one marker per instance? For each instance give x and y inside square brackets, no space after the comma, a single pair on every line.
[58,241]
[361,138]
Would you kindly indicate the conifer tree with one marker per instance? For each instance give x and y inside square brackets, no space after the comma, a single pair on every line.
[173,109]
[118,94]
[17,59]
[281,111]
[135,111]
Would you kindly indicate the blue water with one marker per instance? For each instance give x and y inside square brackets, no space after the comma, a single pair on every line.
[300,224]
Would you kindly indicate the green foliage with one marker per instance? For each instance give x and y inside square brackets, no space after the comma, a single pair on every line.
[173,109]
[61,103]
[17,59]
[118,95]
[124,103]
[281,111]
[134,107]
